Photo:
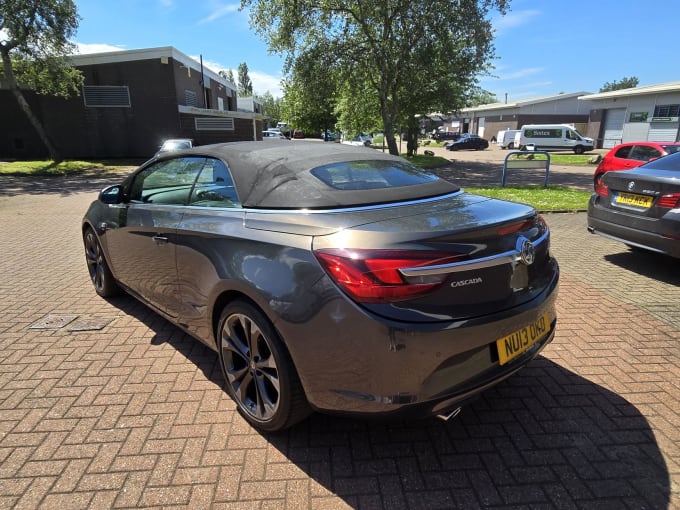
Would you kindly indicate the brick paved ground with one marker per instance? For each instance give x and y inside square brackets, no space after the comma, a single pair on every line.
[133,415]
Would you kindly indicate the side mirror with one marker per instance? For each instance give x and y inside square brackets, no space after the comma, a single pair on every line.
[111,195]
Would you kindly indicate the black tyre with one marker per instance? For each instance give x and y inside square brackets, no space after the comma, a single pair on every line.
[259,374]
[511,145]
[100,274]
[579,149]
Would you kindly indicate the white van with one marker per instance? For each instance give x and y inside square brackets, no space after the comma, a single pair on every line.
[552,137]
[505,138]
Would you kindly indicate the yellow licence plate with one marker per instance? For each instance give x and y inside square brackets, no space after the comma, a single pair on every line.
[634,200]
[516,343]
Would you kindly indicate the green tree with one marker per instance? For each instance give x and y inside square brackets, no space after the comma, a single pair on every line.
[227,75]
[397,48]
[480,96]
[623,83]
[33,50]
[310,93]
[271,107]
[245,86]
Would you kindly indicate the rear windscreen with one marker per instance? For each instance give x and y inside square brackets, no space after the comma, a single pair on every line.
[671,149]
[375,174]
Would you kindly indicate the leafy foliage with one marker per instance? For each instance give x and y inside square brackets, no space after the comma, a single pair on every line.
[48,76]
[227,75]
[245,86]
[310,93]
[480,96]
[623,83]
[36,41]
[272,107]
[403,57]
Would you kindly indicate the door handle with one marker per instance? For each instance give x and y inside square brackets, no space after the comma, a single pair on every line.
[160,240]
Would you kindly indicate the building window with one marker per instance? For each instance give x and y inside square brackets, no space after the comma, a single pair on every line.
[214,124]
[666,110]
[191,98]
[106,96]
[638,117]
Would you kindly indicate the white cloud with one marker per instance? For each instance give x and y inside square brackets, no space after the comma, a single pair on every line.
[219,12]
[84,48]
[514,19]
[262,82]
[522,73]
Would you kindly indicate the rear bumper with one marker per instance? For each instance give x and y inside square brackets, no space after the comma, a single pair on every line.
[634,237]
[368,367]
[639,231]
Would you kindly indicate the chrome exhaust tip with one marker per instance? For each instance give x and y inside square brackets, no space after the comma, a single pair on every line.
[452,414]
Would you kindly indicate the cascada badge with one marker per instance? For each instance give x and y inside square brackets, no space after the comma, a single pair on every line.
[463,283]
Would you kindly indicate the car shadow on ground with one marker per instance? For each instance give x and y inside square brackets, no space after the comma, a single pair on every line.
[545,437]
[646,263]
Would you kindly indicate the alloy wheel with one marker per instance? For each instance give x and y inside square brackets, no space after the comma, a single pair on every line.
[250,366]
[96,265]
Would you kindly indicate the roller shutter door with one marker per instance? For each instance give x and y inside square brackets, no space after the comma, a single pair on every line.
[663,131]
[613,128]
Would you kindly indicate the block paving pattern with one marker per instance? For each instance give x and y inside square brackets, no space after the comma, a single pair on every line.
[133,415]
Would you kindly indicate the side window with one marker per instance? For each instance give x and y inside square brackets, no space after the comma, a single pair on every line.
[644,153]
[166,182]
[623,152]
[214,187]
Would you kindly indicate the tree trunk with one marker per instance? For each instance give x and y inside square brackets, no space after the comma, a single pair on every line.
[388,124]
[23,104]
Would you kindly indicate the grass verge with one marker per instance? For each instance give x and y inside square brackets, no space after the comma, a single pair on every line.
[554,198]
[49,168]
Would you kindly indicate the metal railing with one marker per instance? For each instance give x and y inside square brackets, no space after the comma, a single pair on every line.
[513,161]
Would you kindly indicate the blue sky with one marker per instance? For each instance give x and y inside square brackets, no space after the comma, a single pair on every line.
[542,47]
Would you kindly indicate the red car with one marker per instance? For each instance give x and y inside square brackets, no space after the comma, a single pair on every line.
[630,155]
[299,134]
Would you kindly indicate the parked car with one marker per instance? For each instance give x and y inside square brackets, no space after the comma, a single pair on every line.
[640,207]
[175,144]
[273,134]
[327,136]
[467,141]
[362,139]
[298,134]
[329,277]
[440,136]
[630,155]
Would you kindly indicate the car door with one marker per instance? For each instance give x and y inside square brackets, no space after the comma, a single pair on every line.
[143,245]
[210,243]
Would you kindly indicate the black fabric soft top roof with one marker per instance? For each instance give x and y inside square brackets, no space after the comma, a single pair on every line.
[276,175]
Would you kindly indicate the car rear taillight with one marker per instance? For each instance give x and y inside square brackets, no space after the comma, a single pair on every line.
[373,276]
[601,188]
[670,200]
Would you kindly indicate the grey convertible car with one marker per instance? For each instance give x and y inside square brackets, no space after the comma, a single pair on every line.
[328,277]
